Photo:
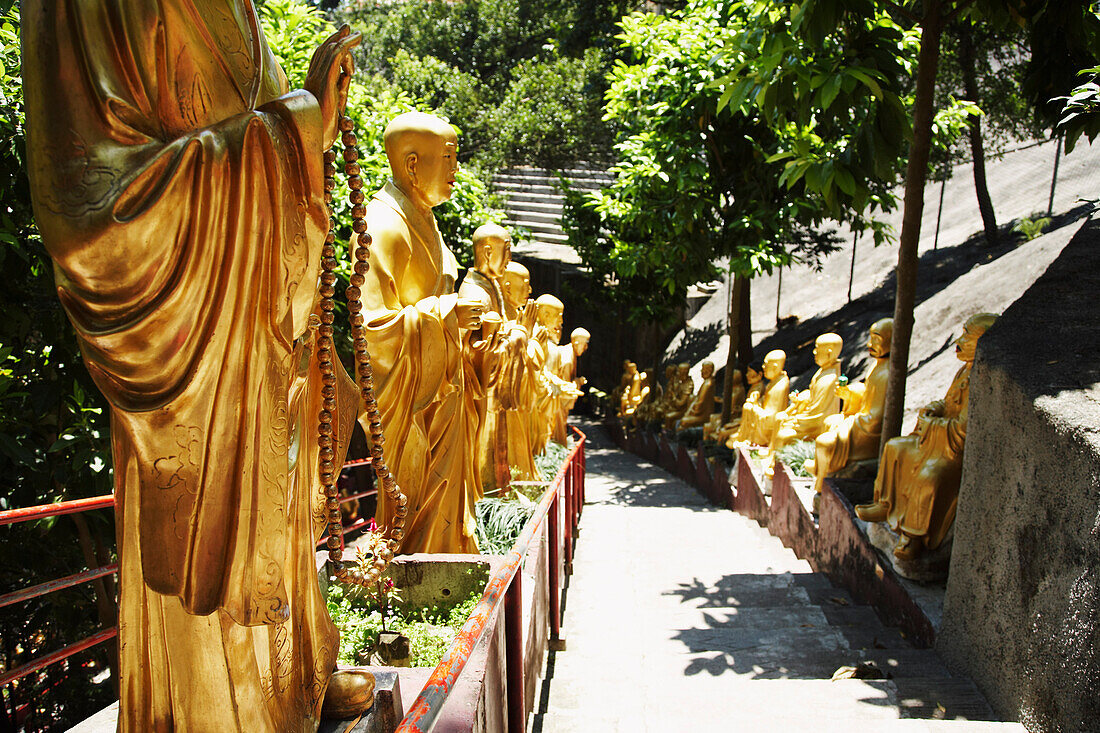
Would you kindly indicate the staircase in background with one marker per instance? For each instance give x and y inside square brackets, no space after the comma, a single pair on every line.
[533,198]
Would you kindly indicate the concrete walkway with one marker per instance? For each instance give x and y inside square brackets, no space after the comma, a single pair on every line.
[680,616]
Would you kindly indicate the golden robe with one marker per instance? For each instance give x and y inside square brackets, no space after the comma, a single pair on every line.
[177,184]
[566,370]
[420,376]
[758,418]
[858,436]
[701,407]
[919,475]
[491,438]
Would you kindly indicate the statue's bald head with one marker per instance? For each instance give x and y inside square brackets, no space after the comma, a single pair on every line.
[422,150]
[515,284]
[492,249]
[548,312]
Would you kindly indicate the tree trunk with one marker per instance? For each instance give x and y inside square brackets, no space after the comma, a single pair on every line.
[915,175]
[733,323]
[977,149]
[744,347]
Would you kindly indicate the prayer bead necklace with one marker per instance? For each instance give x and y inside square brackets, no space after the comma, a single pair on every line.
[384,549]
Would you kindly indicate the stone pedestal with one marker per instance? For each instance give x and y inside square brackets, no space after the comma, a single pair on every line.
[930,566]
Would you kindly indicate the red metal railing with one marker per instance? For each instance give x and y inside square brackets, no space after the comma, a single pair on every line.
[504,587]
[27,514]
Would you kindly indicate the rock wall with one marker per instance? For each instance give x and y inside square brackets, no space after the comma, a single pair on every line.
[1022,610]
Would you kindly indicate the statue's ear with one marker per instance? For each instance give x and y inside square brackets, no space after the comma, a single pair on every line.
[411,161]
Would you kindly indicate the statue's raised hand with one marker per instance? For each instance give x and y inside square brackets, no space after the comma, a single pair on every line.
[329,77]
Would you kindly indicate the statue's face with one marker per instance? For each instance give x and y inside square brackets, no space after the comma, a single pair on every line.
[500,254]
[773,367]
[877,346]
[551,318]
[670,372]
[682,371]
[580,344]
[752,376]
[516,287]
[631,368]
[708,370]
[436,166]
[825,353]
[966,345]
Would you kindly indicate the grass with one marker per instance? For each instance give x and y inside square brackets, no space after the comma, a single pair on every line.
[795,454]
[430,631]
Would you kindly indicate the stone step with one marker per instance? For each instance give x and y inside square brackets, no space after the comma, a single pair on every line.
[507,188]
[548,207]
[941,698]
[529,217]
[553,233]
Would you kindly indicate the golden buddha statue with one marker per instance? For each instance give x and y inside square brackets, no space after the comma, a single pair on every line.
[517,385]
[758,418]
[702,405]
[855,435]
[645,410]
[492,247]
[754,376]
[631,394]
[416,329]
[567,371]
[678,396]
[624,383]
[917,487]
[178,186]
[804,418]
[549,314]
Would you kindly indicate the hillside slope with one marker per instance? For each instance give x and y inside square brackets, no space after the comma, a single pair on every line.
[960,277]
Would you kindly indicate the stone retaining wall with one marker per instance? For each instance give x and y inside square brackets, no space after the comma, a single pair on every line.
[1022,610]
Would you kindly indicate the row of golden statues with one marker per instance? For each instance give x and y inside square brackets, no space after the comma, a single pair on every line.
[180,187]
[917,483]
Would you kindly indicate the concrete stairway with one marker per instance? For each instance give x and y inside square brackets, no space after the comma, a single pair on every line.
[682,616]
[533,198]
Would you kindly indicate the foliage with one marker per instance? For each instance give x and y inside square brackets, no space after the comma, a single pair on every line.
[1032,226]
[1081,113]
[550,461]
[551,113]
[430,631]
[523,78]
[54,445]
[795,455]
[500,521]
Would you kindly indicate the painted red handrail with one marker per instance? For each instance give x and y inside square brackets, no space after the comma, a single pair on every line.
[36,664]
[26,514]
[75,506]
[425,710]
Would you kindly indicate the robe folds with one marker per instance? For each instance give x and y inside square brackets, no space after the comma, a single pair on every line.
[421,381]
[857,436]
[177,183]
[919,474]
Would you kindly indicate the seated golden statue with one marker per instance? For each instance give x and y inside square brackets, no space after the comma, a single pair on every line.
[631,395]
[754,375]
[178,186]
[648,397]
[758,418]
[703,404]
[917,487]
[678,396]
[492,247]
[854,435]
[804,418]
[624,384]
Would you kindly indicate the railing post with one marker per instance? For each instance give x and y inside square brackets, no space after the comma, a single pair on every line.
[554,532]
[513,653]
[574,476]
[567,504]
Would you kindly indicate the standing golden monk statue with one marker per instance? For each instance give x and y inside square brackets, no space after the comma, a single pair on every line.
[517,386]
[917,488]
[567,372]
[416,327]
[855,436]
[492,246]
[178,186]
[554,391]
